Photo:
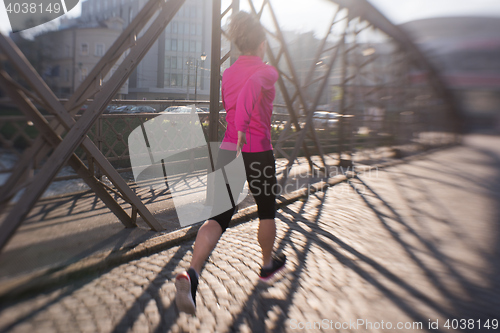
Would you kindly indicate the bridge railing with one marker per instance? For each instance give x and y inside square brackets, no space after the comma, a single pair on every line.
[364,134]
[360,86]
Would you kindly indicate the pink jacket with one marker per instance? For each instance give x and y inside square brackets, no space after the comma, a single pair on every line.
[247,95]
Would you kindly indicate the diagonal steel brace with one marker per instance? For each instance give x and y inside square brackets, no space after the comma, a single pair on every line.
[42,125]
[77,133]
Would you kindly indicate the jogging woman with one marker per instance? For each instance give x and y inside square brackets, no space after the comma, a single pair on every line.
[247,94]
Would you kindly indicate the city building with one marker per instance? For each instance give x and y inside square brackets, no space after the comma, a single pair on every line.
[66,56]
[178,58]
[466,50]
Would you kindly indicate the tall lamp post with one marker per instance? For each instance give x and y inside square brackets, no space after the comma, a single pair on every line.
[203,58]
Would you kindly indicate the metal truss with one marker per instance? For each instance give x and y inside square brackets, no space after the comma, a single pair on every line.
[360,15]
[60,137]
[305,102]
[363,10]
[161,13]
[217,61]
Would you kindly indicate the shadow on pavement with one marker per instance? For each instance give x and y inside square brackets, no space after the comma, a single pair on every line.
[478,301]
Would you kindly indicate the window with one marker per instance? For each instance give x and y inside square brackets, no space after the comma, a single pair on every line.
[176,80]
[186,46]
[167,62]
[99,50]
[66,91]
[192,46]
[199,12]
[174,45]
[174,27]
[174,62]
[193,29]
[180,28]
[167,80]
[84,49]
[168,44]
[83,74]
[191,80]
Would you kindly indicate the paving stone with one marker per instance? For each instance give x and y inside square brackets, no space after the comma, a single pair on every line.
[398,245]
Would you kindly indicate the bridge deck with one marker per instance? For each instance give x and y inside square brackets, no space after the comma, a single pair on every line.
[411,243]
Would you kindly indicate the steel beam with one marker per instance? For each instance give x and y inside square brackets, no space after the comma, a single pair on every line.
[288,101]
[309,104]
[366,11]
[309,118]
[93,82]
[49,135]
[215,76]
[88,88]
[77,133]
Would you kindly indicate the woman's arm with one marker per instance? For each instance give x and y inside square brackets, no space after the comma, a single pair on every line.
[242,140]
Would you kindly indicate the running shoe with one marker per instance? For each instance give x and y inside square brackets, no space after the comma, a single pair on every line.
[278,263]
[186,284]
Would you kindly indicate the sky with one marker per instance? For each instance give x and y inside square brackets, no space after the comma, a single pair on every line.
[398,11]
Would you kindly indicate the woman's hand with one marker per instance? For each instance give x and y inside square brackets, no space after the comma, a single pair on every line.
[242,140]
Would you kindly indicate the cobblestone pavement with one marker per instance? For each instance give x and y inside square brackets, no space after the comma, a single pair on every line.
[399,246]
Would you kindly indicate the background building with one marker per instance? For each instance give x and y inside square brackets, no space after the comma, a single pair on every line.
[174,63]
[67,55]
[466,50]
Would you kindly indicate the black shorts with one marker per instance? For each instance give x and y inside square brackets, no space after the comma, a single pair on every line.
[261,177]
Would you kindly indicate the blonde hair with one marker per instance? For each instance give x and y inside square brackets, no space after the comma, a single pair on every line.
[246,32]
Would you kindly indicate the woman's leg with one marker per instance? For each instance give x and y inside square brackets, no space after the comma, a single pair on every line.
[206,240]
[266,236]
[210,232]
[186,283]
[261,176]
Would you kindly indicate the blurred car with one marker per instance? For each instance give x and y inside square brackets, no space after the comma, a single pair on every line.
[142,109]
[180,109]
[325,119]
[122,109]
[83,109]
[110,108]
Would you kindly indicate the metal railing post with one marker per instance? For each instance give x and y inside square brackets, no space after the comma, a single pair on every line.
[213,118]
